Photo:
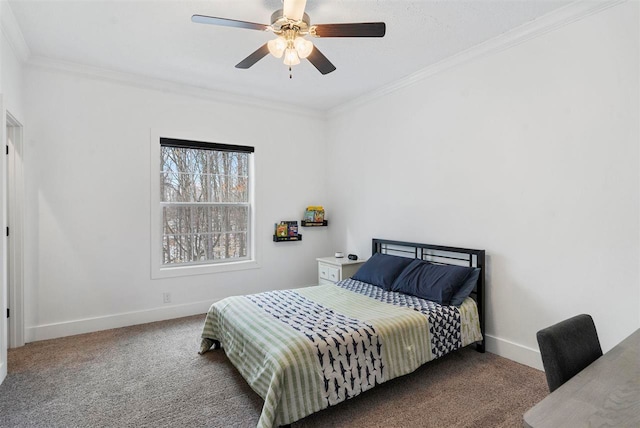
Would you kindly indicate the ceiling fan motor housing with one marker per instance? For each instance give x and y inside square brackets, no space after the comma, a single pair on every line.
[280,23]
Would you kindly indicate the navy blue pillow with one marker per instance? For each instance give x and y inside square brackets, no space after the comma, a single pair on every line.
[381,270]
[466,288]
[430,281]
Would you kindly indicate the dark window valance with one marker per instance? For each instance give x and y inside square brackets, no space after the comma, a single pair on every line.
[202,145]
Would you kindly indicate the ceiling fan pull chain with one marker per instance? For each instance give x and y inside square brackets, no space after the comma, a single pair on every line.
[290,75]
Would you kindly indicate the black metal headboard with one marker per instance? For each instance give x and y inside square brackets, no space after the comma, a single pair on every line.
[441,255]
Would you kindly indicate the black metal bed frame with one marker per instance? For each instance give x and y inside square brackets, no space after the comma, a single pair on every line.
[446,256]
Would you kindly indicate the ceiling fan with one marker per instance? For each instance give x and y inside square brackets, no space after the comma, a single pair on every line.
[291,24]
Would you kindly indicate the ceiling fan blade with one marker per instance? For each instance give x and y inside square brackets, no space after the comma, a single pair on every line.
[320,61]
[294,9]
[260,53]
[201,19]
[362,29]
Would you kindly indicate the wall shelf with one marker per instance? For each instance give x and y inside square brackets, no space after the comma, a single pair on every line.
[287,238]
[306,223]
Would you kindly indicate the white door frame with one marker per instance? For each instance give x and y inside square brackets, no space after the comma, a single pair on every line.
[3,266]
[15,222]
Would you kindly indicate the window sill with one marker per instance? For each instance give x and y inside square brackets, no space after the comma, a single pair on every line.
[178,271]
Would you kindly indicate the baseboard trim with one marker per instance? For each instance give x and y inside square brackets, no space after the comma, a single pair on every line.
[3,371]
[513,351]
[505,348]
[89,325]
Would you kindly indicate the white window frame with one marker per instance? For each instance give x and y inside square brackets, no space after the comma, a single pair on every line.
[160,270]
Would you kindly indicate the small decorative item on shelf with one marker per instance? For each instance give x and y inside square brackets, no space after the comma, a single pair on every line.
[314,216]
[292,227]
[309,214]
[287,231]
[281,230]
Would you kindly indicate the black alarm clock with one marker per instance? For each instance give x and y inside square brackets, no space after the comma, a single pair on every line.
[352,257]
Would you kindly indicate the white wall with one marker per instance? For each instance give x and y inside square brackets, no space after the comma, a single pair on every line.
[530,153]
[88,200]
[12,80]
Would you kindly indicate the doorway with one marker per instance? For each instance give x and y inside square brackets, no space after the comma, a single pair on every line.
[15,232]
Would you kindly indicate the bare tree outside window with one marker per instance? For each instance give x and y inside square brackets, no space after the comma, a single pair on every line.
[204,196]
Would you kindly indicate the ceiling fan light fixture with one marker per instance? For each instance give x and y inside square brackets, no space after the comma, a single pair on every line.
[291,57]
[303,47]
[277,46]
[291,25]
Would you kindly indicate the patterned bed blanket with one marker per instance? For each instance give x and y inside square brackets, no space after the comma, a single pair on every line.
[306,349]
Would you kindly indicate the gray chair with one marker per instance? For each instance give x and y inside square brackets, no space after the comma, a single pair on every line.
[567,348]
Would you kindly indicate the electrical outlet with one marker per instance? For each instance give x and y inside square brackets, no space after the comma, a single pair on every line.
[166,297]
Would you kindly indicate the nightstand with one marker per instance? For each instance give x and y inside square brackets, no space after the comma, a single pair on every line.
[332,270]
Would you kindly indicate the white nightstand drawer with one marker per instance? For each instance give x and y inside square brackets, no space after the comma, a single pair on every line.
[323,271]
[332,270]
[334,274]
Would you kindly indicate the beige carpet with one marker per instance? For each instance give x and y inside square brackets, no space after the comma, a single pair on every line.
[151,375]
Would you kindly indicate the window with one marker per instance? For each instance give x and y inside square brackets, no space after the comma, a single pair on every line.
[205,204]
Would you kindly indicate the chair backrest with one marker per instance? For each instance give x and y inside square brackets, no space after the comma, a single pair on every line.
[567,348]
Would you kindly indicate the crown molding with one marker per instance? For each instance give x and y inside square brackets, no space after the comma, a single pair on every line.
[12,32]
[550,22]
[145,82]
[554,20]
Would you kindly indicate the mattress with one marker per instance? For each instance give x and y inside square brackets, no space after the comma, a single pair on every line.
[306,349]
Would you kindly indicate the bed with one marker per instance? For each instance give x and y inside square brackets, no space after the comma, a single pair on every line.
[306,349]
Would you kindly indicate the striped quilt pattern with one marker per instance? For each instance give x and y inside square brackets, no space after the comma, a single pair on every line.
[305,349]
[348,350]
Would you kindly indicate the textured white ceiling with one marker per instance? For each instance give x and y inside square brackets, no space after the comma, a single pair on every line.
[157,39]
